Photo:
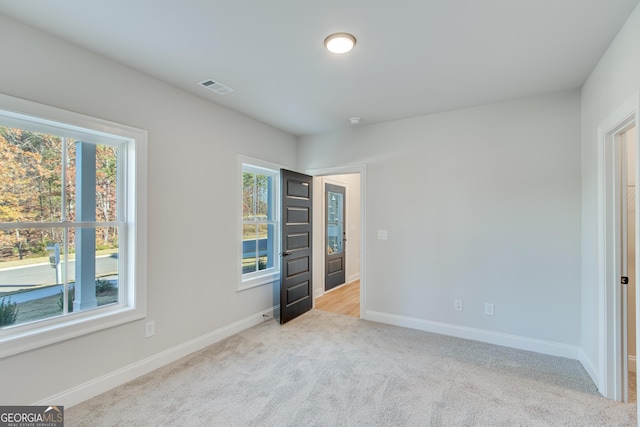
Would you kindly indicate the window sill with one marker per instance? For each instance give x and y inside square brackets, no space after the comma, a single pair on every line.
[256,281]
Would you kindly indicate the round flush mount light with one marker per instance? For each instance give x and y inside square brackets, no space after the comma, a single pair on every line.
[340,42]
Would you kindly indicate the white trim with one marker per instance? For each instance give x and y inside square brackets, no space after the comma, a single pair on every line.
[353,277]
[74,125]
[106,382]
[609,378]
[263,164]
[497,338]
[362,170]
[588,366]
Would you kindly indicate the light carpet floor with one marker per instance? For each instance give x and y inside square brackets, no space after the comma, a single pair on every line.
[325,369]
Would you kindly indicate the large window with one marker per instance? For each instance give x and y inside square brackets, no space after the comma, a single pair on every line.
[259,224]
[70,224]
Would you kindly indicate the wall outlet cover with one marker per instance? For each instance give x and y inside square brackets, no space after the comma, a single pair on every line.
[149,329]
[489,309]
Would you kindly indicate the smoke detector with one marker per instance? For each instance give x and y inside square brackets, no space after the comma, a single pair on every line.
[216,86]
[354,120]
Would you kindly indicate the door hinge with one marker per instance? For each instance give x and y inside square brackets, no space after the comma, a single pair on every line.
[624,280]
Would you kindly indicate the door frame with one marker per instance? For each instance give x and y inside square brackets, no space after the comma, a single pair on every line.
[610,293]
[318,262]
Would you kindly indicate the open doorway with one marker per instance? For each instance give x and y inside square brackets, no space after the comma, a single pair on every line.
[346,294]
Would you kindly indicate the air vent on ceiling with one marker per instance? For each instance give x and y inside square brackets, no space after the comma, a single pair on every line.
[217,87]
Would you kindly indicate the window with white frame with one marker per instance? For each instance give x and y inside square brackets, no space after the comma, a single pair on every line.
[72,248]
[260,223]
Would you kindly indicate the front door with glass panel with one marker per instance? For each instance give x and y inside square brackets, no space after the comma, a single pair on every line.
[335,237]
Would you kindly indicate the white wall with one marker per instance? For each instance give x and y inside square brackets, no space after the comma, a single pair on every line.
[353,226]
[192,196]
[481,204]
[614,80]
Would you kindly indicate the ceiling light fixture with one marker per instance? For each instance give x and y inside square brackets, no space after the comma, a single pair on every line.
[340,42]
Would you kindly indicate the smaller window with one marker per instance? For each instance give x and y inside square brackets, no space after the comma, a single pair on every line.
[260,224]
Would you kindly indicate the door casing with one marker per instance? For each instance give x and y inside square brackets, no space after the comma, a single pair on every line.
[610,249]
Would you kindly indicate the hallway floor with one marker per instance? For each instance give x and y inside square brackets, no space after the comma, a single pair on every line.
[342,300]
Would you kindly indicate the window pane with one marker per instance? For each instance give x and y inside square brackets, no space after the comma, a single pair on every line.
[94,277]
[249,247]
[30,176]
[263,196]
[106,183]
[248,199]
[25,261]
[95,165]
[266,246]
[70,184]
[106,274]
[335,222]
[31,274]
[33,270]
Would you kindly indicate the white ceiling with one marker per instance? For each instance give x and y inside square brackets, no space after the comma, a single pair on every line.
[413,57]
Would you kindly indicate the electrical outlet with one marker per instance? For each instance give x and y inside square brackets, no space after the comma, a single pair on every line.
[149,329]
[488,309]
[458,304]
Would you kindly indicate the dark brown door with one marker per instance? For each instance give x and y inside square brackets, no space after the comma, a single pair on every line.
[295,281]
[335,236]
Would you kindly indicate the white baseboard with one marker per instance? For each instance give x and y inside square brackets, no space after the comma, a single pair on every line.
[318,292]
[507,340]
[591,370]
[116,378]
[353,277]
[593,373]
